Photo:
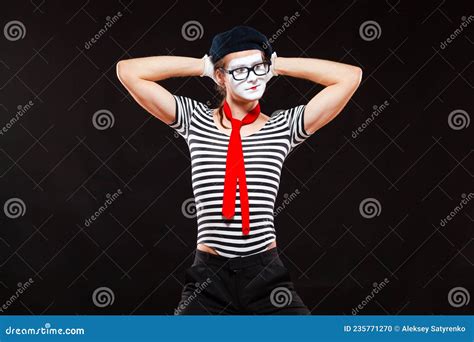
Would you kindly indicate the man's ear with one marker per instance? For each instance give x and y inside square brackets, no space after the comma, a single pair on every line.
[220,78]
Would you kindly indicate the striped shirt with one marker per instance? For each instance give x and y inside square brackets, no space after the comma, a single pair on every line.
[264,154]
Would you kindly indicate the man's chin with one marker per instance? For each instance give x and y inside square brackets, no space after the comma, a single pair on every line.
[253,97]
[256,95]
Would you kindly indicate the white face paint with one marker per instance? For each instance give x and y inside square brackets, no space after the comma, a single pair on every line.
[253,87]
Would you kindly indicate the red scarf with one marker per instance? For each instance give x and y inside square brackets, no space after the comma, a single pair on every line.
[235,168]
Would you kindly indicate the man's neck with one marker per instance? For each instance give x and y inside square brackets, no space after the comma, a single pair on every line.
[240,109]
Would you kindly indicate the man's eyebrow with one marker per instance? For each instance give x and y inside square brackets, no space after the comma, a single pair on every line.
[241,65]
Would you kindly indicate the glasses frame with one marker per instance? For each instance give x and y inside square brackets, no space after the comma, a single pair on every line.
[267,64]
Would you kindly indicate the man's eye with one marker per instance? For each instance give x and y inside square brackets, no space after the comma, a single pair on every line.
[240,71]
[260,67]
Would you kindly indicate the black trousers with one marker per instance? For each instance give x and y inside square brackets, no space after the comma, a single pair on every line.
[258,284]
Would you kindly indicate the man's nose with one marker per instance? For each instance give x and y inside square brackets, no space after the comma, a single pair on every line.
[252,77]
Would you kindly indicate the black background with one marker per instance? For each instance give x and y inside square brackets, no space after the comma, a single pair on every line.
[408,158]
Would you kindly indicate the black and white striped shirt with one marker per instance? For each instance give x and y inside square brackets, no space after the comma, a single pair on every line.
[264,154]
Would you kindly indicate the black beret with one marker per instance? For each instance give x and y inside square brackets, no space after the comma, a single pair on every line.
[236,39]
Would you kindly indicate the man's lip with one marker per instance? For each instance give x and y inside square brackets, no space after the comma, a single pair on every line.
[255,86]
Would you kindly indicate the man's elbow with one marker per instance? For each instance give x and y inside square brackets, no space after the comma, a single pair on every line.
[123,70]
[356,75]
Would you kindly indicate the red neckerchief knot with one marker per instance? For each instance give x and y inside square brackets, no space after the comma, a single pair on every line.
[235,169]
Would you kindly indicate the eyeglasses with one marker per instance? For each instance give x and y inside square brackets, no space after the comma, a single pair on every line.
[241,73]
